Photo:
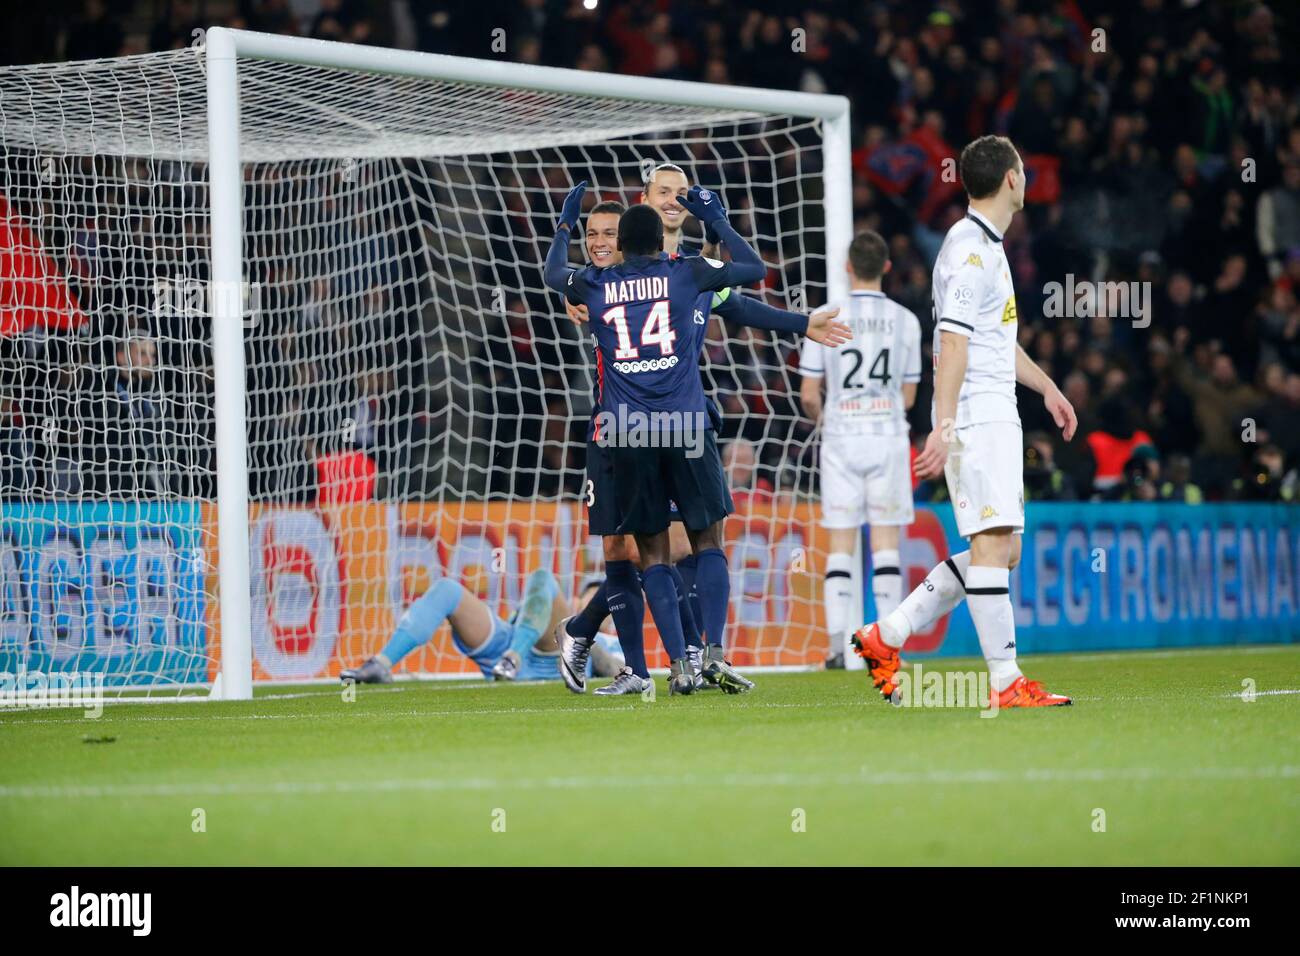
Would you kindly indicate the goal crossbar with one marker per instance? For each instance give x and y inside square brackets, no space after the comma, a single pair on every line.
[132,182]
[225,48]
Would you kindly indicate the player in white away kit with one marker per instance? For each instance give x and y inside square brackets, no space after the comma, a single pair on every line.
[866,474]
[976,441]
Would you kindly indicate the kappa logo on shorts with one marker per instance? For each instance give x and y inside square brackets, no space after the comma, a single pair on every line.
[988,511]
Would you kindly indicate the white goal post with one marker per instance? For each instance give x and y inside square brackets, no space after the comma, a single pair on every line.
[267,119]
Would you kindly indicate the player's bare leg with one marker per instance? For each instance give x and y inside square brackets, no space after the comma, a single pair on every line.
[715,599]
[447,600]
[531,627]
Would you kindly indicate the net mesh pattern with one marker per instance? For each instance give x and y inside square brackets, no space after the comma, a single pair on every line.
[416,400]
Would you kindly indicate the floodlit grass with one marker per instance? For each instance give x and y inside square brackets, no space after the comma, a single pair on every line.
[808,769]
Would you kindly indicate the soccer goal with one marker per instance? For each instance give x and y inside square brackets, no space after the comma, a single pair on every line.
[277,352]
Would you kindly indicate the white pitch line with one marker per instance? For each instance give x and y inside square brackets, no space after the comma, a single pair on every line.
[602,708]
[30,717]
[1221,649]
[865,777]
[1235,695]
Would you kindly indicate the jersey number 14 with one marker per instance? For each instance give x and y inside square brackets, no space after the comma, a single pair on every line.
[657,330]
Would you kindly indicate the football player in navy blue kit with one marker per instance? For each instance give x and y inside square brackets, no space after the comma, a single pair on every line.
[654,417]
[620,595]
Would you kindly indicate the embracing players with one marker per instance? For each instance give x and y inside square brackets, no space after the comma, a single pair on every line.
[654,422]
[976,440]
[865,456]
[621,592]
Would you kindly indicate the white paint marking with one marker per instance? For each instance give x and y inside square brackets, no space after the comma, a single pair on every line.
[865,777]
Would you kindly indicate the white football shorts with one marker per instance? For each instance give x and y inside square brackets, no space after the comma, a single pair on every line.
[986,477]
[866,479]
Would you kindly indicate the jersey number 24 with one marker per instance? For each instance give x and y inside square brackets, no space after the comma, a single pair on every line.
[879,370]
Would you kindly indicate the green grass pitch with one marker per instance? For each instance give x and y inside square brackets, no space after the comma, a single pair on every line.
[809,769]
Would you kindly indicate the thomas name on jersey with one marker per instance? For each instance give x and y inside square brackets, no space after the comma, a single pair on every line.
[881,325]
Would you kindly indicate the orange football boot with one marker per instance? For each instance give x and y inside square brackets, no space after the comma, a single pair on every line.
[1030,693]
[882,660]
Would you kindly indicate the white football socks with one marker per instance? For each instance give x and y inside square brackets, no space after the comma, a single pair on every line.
[838,595]
[886,582]
[988,596]
[940,592]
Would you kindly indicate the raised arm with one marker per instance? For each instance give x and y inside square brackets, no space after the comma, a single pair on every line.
[745,265]
[557,271]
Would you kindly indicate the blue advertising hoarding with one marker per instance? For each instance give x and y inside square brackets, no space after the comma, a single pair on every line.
[1096,576]
[107,587]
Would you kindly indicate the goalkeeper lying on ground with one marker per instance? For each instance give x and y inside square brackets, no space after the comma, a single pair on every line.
[522,648]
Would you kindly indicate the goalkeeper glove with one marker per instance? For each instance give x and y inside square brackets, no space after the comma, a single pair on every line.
[706,206]
[572,208]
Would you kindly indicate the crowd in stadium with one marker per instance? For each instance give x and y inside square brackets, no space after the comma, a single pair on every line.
[1162,151]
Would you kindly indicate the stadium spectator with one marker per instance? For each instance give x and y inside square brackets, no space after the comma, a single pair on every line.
[1178,485]
[739,462]
[96,35]
[1141,476]
[1277,218]
[1222,403]
[1267,478]
[1137,159]
[174,30]
[1044,481]
[123,427]
[1114,442]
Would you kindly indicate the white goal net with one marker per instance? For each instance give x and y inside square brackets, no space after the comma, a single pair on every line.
[415,400]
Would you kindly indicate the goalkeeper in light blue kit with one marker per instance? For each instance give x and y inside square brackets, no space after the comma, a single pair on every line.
[522,648]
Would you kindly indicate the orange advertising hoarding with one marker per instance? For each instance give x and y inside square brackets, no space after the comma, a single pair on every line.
[328,584]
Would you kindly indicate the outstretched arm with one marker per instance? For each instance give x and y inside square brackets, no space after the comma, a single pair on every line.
[743,310]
